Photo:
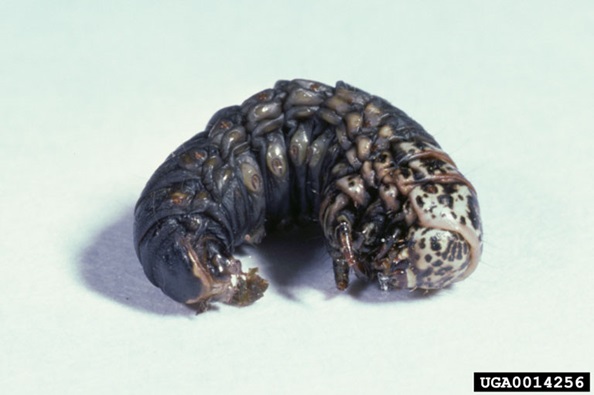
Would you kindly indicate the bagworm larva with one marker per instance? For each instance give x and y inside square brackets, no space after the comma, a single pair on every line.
[391,203]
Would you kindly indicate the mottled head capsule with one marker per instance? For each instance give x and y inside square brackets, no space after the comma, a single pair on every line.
[442,246]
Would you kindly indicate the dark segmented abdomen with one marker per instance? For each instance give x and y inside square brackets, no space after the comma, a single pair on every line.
[300,151]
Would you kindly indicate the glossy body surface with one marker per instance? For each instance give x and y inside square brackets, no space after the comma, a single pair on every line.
[392,204]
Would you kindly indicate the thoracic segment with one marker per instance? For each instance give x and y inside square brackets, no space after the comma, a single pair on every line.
[392,204]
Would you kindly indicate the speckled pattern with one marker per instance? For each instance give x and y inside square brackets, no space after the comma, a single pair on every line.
[393,206]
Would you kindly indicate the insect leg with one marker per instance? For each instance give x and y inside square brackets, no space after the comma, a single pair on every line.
[346,248]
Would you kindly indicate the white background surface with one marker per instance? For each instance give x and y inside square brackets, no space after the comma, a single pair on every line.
[93,97]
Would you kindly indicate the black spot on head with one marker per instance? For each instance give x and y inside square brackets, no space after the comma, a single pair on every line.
[446,200]
[450,189]
[432,165]
[428,258]
[438,263]
[459,251]
[425,273]
[422,243]
[452,251]
[420,201]
[463,220]
[473,212]
[435,245]
[447,252]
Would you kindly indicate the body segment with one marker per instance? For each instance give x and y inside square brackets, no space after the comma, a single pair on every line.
[392,205]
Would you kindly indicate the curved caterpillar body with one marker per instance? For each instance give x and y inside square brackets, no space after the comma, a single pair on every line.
[392,204]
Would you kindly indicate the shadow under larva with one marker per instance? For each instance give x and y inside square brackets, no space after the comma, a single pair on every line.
[392,205]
